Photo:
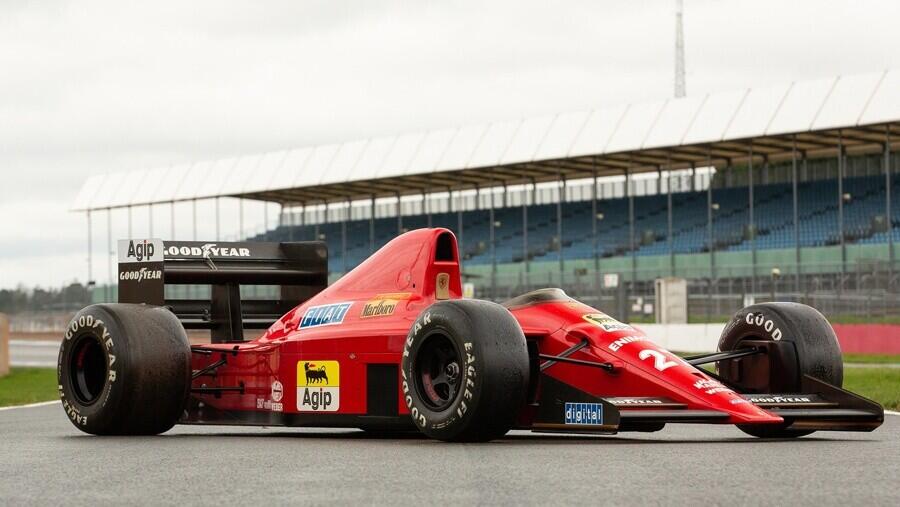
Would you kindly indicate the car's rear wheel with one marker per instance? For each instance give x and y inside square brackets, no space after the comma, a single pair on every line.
[816,348]
[124,370]
[465,370]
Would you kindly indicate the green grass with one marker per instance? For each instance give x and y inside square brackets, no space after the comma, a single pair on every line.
[861,319]
[872,358]
[31,385]
[879,384]
[28,385]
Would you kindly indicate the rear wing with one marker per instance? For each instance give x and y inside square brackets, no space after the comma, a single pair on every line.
[300,269]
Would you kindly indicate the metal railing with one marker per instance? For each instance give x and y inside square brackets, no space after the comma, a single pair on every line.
[865,290]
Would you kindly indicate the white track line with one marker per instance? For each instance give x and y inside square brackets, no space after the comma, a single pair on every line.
[32,364]
[34,343]
[30,405]
[891,412]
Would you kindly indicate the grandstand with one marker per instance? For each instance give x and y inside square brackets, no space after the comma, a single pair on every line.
[784,189]
[863,223]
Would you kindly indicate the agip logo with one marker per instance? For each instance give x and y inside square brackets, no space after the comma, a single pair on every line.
[142,250]
[318,386]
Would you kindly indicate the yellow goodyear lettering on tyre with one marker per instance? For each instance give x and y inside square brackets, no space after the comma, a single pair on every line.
[318,386]
[606,322]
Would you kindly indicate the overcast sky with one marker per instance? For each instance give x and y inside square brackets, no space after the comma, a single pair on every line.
[88,87]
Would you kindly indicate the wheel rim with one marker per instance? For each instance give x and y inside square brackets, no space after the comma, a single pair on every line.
[437,371]
[87,371]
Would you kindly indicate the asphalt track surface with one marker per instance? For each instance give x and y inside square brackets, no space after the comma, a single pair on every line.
[44,460]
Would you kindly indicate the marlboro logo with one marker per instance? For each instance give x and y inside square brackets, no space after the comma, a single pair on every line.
[383,305]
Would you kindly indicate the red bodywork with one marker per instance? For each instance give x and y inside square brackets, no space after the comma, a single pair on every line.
[406,274]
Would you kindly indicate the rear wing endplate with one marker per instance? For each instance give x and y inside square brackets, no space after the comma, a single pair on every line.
[300,269]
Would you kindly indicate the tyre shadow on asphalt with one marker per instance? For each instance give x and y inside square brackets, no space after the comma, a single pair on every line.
[530,439]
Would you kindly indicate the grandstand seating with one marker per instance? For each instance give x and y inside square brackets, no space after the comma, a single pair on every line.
[773,213]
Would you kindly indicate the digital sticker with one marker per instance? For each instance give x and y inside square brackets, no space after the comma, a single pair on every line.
[584,413]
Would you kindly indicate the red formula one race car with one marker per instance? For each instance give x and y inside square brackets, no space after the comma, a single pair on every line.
[392,346]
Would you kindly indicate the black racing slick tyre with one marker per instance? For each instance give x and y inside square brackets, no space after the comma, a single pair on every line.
[465,371]
[124,369]
[818,353]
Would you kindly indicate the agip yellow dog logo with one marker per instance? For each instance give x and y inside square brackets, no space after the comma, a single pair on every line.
[318,386]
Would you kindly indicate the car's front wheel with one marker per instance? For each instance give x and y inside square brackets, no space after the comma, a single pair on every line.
[465,370]
[817,352]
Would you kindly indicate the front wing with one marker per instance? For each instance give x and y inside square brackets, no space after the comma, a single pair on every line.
[820,407]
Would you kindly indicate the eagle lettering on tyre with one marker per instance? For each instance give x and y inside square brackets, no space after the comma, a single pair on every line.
[464,370]
[84,334]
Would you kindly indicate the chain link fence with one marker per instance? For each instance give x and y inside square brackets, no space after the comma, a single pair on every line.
[865,290]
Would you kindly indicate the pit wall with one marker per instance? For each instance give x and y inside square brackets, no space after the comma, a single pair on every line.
[854,338]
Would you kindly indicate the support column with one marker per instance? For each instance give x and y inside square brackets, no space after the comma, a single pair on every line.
[218,237]
[752,222]
[240,219]
[459,223]
[290,218]
[492,238]
[841,207]
[172,217]
[344,237]
[693,177]
[710,240]
[90,250]
[318,221]
[559,229]
[399,211]
[427,209]
[887,200]
[129,222]
[797,266]
[594,250]
[669,227]
[372,227]
[711,245]
[109,254]
[193,220]
[302,221]
[150,218]
[630,196]
[525,230]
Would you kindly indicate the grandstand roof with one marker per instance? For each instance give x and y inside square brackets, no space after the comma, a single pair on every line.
[673,133]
